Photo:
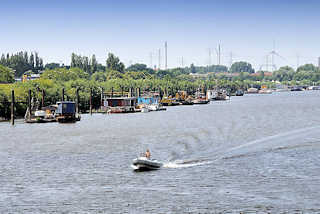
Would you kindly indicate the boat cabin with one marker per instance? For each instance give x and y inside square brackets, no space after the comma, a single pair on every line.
[119,104]
[148,100]
[66,108]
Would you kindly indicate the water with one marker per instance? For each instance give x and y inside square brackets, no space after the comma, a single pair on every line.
[252,154]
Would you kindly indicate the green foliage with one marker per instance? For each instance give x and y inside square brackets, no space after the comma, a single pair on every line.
[112,74]
[6,75]
[308,67]
[99,76]
[238,67]
[113,63]
[193,69]
[51,66]
[22,62]
[63,74]
[137,67]
[90,66]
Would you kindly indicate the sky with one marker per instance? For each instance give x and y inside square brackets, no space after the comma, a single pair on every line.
[135,30]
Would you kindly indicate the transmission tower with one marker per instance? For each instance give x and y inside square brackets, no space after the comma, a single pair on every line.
[166,62]
[159,65]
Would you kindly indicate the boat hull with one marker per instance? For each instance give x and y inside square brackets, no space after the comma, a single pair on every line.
[144,164]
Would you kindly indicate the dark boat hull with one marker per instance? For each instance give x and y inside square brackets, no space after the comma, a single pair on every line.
[144,164]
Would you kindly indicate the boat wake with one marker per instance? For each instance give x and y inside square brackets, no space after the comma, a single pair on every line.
[185,163]
[292,139]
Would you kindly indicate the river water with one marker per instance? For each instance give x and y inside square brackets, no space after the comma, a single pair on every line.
[252,154]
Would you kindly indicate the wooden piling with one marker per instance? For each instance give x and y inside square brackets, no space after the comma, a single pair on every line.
[91,101]
[12,107]
[160,94]
[62,94]
[77,101]
[112,92]
[121,91]
[101,98]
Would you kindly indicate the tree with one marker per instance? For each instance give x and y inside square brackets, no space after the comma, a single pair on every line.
[51,66]
[6,75]
[73,60]
[241,67]
[217,68]
[20,62]
[192,69]
[137,67]
[113,63]
[31,60]
[94,64]
[3,60]
[63,74]
[99,76]
[307,67]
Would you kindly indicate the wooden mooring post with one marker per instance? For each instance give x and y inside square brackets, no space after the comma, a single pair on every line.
[101,98]
[138,92]
[160,94]
[77,101]
[62,94]
[12,107]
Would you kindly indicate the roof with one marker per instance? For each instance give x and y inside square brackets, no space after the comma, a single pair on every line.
[121,98]
[63,102]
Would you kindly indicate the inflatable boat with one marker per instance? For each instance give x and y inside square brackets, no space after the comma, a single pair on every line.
[143,163]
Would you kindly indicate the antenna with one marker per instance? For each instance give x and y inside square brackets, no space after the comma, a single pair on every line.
[218,51]
[166,46]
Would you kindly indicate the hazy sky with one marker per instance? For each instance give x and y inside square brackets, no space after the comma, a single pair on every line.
[135,29]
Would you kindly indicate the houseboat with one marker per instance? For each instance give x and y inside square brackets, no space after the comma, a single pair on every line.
[217,95]
[201,98]
[119,104]
[252,91]
[239,92]
[149,104]
[66,112]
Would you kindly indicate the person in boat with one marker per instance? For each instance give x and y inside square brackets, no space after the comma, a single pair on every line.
[148,155]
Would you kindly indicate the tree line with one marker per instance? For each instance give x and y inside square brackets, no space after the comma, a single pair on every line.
[22,62]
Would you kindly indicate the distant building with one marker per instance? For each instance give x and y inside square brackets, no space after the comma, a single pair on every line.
[28,75]
[319,62]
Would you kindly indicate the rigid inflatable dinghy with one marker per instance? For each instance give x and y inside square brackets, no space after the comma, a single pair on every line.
[143,163]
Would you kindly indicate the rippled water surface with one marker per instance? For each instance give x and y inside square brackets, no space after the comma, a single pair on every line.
[252,154]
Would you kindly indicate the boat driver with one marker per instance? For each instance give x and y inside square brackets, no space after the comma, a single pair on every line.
[148,155]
